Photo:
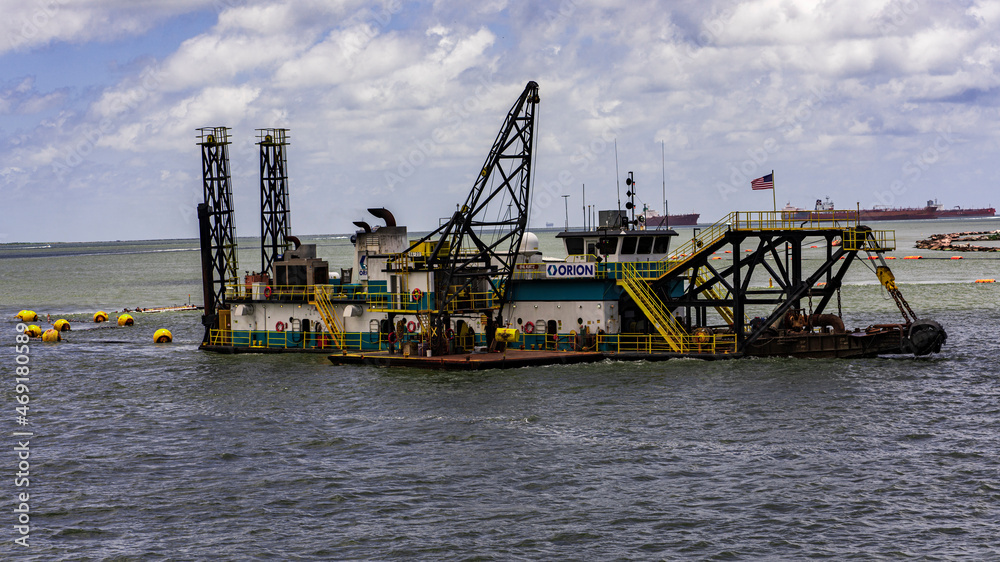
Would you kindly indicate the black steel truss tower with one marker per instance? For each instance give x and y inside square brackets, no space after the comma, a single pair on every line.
[275,216]
[219,218]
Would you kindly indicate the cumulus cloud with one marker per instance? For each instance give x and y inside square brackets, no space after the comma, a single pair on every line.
[30,24]
[395,101]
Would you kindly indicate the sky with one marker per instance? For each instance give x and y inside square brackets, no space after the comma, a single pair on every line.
[397,104]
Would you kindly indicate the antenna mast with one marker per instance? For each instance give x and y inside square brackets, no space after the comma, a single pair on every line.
[618,186]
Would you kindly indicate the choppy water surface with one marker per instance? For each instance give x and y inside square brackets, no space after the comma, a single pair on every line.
[147,451]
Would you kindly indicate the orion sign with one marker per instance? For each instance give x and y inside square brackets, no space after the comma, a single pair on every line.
[570,270]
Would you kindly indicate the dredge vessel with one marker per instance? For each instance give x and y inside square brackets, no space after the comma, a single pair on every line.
[477,292]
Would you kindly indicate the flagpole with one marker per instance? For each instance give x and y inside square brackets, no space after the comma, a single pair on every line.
[774,198]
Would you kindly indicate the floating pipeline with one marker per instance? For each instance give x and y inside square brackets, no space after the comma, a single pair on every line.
[952,241]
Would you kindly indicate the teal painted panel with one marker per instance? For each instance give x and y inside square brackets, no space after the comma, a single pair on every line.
[378,286]
[675,288]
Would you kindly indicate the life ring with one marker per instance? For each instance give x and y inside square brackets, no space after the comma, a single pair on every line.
[392,337]
[450,333]
[411,327]
[267,292]
[415,295]
[529,328]
[280,326]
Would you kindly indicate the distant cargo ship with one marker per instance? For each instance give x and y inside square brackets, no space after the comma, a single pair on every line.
[654,219]
[824,209]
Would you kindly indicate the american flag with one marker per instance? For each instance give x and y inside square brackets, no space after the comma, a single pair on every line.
[765,182]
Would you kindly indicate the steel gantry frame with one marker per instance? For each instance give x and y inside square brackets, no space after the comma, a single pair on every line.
[275,218]
[705,284]
[217,218]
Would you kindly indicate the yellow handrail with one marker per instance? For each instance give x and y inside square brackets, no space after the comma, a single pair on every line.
[724,311]
[846,221]
[269,291]
[653,308]
[646,343]
[321,301]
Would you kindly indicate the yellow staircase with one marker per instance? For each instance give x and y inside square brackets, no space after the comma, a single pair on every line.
[687,251]
[724,311]
[668,326]
[779,221]
[321,300]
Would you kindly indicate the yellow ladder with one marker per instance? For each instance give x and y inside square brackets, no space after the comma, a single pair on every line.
[321,300]
[724,311]
[687,251]
[653,308]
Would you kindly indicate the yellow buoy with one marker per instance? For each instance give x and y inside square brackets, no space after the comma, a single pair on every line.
[51,335]
[100,316]
[163,335]
[27,316]
[507,335]
[62,325]
[33,331]
[125,320]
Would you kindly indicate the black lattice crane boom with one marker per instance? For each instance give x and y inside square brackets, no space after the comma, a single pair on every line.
[481,240]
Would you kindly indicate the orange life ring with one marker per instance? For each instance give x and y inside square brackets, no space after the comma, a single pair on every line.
[415,295]
[411,327]
[392,336]
[280,326]
[529,328]
[450,333]
[267,293]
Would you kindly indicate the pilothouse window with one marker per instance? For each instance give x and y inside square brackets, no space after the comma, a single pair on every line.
[628,245]
[661,245]
[574,246]
[645,245]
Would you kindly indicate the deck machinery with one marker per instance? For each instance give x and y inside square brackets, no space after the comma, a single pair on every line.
[681,294]
[479,282]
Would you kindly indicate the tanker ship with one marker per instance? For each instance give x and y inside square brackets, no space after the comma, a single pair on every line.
[654,220]
[933,210]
